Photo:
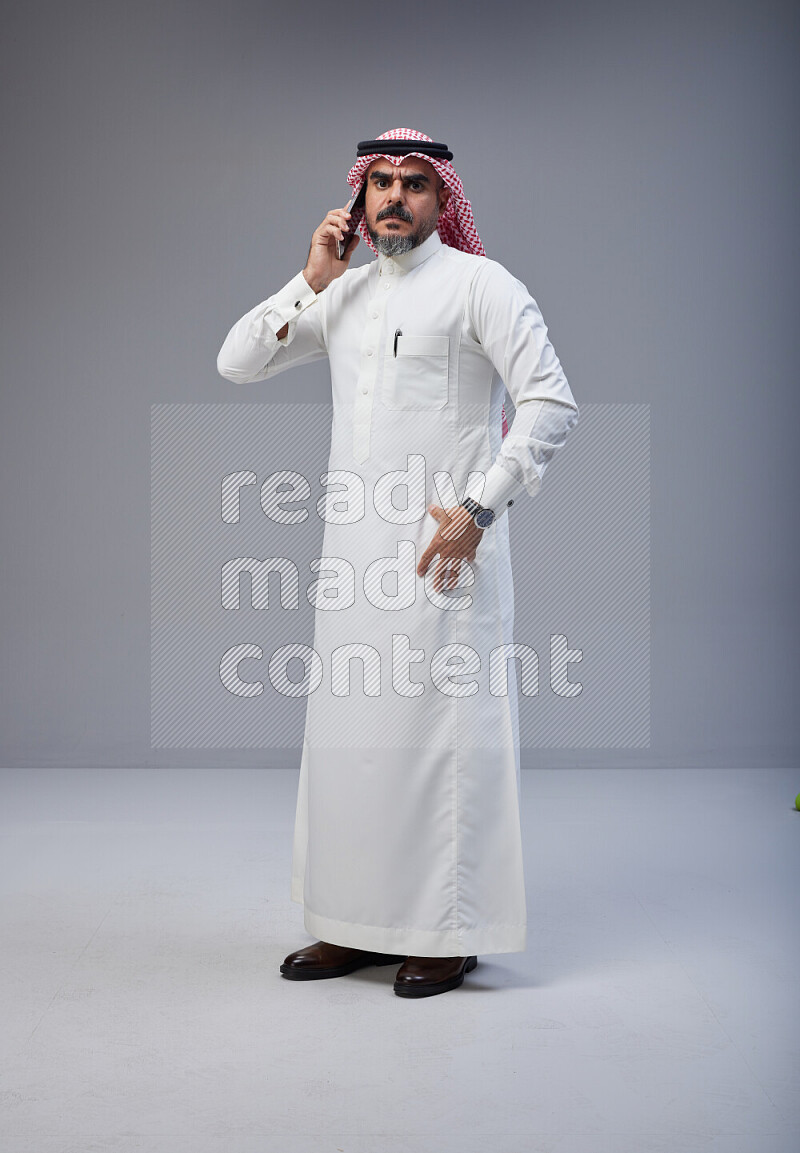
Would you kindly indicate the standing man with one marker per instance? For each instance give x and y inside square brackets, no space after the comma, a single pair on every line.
[407,844]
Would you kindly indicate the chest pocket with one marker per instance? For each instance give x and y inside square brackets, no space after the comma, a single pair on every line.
[417,377]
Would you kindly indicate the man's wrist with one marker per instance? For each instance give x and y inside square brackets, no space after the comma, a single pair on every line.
[286,305]
[313,284]
[497,491]
[482,517]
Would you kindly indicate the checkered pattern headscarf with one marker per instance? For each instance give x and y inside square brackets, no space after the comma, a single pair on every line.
[456,226]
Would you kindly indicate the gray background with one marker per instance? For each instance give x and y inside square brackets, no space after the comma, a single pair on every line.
[164,166]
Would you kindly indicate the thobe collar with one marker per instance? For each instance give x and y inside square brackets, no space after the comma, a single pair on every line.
[405,261]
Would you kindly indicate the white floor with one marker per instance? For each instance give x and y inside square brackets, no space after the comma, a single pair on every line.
[145,913]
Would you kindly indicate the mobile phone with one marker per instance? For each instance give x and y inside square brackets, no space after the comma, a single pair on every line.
[356,200]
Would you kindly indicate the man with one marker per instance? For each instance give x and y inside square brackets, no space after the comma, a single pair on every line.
[407,844]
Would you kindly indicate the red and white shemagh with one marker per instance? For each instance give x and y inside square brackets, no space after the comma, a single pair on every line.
[456,226]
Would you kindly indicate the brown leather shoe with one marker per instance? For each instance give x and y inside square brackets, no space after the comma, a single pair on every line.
[425,976]
[321,960]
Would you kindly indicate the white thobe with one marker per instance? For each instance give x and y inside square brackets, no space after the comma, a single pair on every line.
[407,830]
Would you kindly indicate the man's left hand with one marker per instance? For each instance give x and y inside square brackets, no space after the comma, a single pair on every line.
[456,539]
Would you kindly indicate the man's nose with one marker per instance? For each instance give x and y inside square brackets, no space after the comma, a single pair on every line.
[397,190]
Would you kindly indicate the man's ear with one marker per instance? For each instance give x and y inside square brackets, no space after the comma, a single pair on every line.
[444,196]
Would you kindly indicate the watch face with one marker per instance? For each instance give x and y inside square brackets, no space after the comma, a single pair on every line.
[484,518]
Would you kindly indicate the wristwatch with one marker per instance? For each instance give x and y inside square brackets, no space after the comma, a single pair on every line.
[483,517]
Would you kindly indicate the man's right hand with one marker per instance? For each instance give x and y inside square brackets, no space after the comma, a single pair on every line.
[323,265]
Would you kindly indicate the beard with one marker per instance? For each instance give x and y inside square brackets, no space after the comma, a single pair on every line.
[396,244]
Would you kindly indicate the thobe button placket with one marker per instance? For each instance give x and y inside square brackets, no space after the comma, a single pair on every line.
[367,377]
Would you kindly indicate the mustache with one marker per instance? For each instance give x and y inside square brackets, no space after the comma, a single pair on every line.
[399,213]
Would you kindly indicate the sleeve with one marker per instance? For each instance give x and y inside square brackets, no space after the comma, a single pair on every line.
[251,350]
[506,321]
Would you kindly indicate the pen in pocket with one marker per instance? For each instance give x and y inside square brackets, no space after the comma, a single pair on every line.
[398,333]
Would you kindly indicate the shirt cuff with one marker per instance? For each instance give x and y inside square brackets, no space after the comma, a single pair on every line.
[287,304]
[499,492]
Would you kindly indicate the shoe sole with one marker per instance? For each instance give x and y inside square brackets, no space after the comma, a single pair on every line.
[434,987]
[339,970]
